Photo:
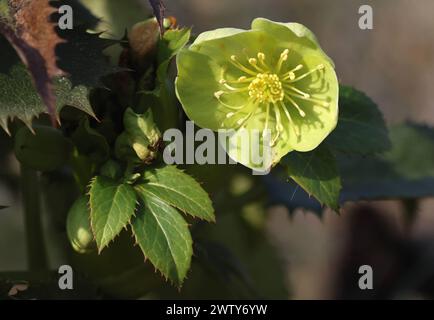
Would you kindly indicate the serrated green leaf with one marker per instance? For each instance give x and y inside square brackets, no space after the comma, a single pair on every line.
[19,99]
[178,189]
[163,236]
[316,172]
[111,207]
[67,95]
[361,128]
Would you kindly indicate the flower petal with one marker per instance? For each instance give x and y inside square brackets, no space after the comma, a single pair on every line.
[216,34]
[202,66]
[246,146]
[195,87]
[320,120]
[290,33]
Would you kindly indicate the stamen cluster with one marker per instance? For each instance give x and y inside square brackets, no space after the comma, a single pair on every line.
[270,88]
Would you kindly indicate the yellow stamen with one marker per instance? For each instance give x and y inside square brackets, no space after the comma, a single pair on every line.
[218,96]
[300,111]
[279,127]
[291,74]
[267,118]
[304,94]
[240,66]
[261,58]
[235,89]
[254,63]
[282,59]
[266,88]
[297,132]
[322,103]
[318,68]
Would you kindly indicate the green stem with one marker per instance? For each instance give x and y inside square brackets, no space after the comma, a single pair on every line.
[36,254]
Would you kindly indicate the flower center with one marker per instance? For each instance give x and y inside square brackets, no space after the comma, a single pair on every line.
[266,88]
[276,88]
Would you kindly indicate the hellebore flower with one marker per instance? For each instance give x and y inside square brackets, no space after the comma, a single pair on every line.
[274,79]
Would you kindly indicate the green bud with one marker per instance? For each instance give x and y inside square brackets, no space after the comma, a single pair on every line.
[141,125]
[141,137]
[45,150]
[78,227]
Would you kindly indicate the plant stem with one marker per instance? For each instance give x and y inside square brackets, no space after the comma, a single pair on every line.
[36,254]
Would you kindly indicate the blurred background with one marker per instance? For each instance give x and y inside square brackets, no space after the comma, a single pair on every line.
[393,64]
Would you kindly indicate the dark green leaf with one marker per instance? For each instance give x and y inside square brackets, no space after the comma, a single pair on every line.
[316,173]
[19,99]
[361,128]
[163,236]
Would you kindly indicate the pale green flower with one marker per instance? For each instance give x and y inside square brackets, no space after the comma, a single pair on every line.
[273,78]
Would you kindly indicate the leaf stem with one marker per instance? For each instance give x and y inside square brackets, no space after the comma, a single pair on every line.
[36,253]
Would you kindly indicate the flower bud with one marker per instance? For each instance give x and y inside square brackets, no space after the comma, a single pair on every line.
[78,227]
